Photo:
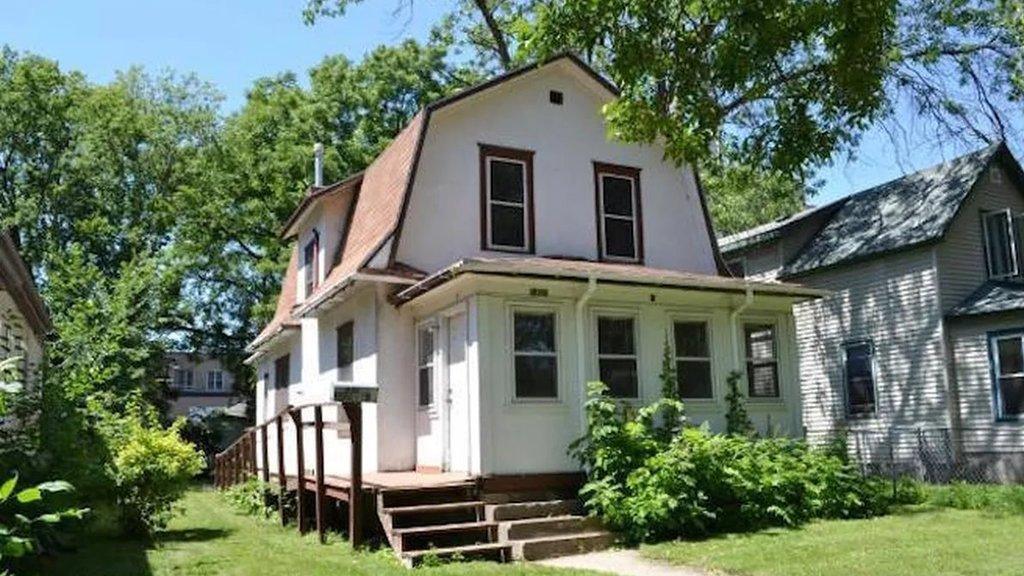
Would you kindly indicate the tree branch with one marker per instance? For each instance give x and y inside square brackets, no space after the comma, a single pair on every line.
[500,43]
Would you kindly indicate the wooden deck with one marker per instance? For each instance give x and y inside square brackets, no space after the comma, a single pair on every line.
[338,486]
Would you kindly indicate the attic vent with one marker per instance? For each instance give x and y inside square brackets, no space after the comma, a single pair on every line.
[555,97]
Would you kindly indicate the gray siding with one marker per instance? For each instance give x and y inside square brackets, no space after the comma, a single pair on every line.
[962,268]
[893,301]
[969,343]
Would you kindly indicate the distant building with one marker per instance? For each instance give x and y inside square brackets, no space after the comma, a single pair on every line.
[24,321]
[199,383]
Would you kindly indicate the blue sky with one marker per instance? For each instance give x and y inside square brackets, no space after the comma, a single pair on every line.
[232,42]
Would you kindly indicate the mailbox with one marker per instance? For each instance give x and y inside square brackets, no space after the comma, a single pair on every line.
[349,393]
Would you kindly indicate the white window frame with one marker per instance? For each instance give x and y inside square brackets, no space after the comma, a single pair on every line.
[215,380]
[614,314]
[429,326]
[188,379]
[777,358]
[1014,269]
[524,205]
[997,400]
[511,335]
[601,175]
[709,334]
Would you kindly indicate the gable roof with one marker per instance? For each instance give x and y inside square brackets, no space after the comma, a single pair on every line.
[992,297]
[776,228]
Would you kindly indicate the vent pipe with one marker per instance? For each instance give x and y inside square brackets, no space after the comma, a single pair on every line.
[318,165]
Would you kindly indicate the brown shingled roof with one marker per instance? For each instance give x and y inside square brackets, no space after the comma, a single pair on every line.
[282,318]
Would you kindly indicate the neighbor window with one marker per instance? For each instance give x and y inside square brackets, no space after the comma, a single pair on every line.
[507,199]
[346,351]
[214,380]
[282,369]
[425,365]
[310,262]
[762,363]
[860,379]
[1000,244]
[1008,355]
[535,355]
[618,213]
[182,378]
[693,360]
[617,357]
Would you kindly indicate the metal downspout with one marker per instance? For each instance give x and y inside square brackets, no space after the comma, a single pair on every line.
[747,301]
[581,347]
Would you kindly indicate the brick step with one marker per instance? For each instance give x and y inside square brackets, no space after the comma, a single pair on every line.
[432,514]
[528,528]
[540,509]
[555,546]
[443,536]
[498,552]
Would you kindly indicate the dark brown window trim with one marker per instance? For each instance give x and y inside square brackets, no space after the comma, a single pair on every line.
[628,172]
[526,157]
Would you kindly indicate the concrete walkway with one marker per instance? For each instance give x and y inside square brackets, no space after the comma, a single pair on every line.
[622,562]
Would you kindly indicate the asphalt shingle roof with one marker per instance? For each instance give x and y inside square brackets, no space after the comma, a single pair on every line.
[993,296]
[899,214]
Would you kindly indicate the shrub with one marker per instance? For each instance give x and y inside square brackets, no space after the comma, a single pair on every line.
[696,483]
[151,468]
[963,496]
[31,519]
[257,498]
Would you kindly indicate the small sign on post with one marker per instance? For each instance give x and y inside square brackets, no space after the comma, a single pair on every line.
[352,397]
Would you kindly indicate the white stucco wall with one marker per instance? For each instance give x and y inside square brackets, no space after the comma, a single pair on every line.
[443,219]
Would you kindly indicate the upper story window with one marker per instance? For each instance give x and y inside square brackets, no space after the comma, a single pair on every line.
[282,369]
[1007,354]
[182,378]
[346,351]
[215,380]
[535,362]
[762,360]
[1000,244]
[506,178]
[693,360]
[311,263]
[425,365]
[619,225]
[860,378]
[617,355]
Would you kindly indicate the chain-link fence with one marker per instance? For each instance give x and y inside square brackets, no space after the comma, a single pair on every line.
[933,455]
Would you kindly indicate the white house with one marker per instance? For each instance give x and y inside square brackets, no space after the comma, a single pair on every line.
[199,384]
[496,256]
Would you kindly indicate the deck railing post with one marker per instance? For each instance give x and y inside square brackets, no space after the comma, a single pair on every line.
[216,470]
[263,454]
[282,479]
[321,498]
[354,413]
[300,473]
[251,452]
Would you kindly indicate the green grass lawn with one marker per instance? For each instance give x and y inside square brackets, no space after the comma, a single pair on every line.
[209,538]
[923,542]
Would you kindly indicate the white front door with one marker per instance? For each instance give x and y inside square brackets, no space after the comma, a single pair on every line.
[457,378]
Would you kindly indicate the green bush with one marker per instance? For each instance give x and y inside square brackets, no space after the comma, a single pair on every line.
[649,487]
[151,467]
[31,520]
[257,498]
[991,498]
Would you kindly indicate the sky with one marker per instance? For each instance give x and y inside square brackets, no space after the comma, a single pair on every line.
[230,43]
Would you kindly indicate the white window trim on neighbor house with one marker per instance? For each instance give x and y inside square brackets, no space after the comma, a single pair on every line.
[709,333]
[489,154]
[516,308]
[1005,219]
[617,313]
[184,379]
[996,369]
[773,322]
[873,380]
[632,175]
[215,380]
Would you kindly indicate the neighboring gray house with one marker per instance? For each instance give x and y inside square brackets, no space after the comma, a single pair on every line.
[199,384]
[919,351]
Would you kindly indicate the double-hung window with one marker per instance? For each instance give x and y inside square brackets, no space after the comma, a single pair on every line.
[693,360]
[762,360]
[1007,352]
[619,228]
[282,369]
[215,380]
[617,355]
[1000,244]
[345,351]
[860,379]
[535,355]
[182,379]
[506,178]
[310,262]
[425,365]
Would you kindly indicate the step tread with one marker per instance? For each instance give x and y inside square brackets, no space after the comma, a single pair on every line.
[545,519]
[426,508]
[455,549]
[459,527]
[560,537]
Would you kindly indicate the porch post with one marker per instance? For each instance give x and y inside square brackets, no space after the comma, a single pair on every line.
[354,413]
[282,479]
[300,472]
[263,453]
[318,422]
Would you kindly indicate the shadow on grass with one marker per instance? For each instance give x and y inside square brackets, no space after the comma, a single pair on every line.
[190,535]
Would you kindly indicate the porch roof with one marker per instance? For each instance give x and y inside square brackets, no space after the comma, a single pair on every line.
[606,272]
[992,297]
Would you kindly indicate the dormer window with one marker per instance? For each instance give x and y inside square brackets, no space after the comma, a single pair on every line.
[506,177]
[310,261]
[1000,244]
[619,227]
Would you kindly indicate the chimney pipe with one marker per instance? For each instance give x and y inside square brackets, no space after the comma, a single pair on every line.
[318,165]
